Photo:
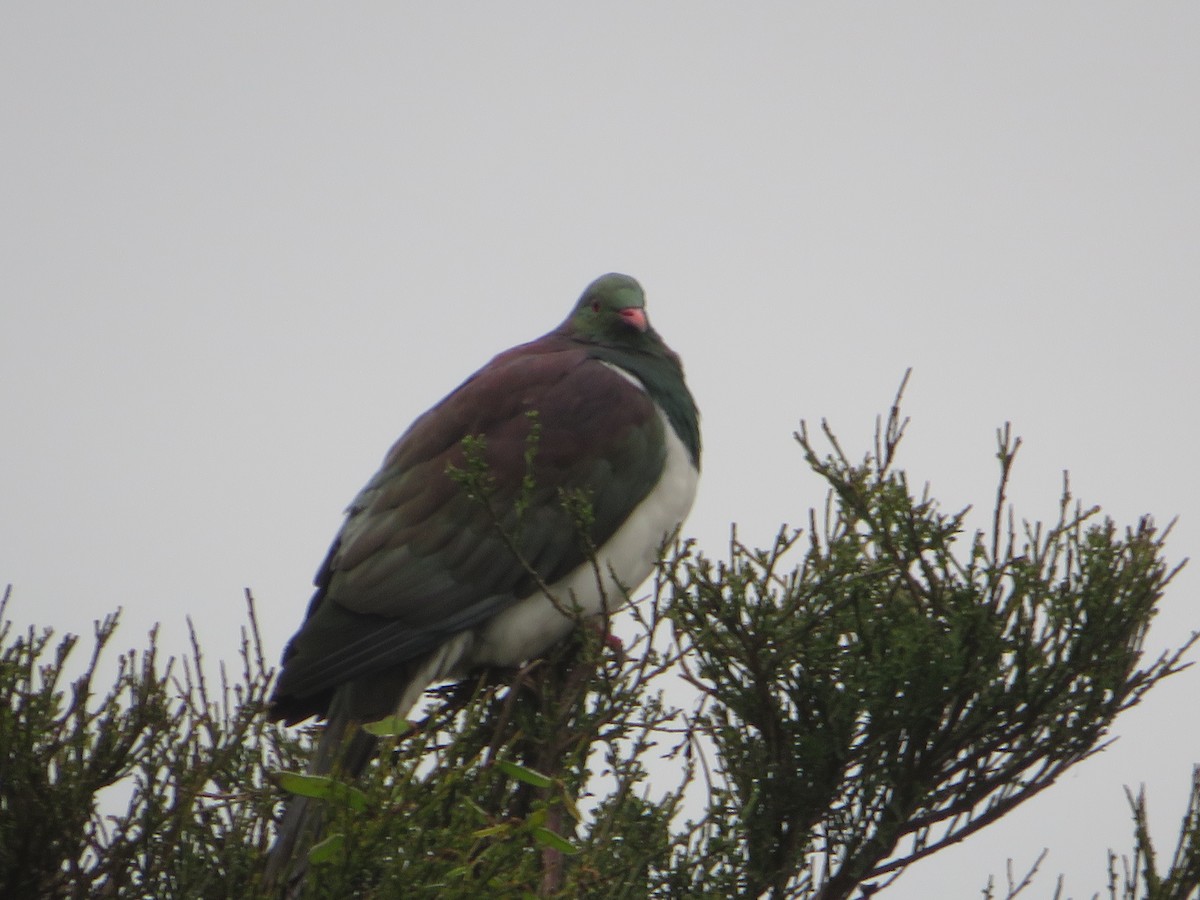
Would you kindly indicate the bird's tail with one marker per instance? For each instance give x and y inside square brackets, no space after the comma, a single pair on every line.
[344,750]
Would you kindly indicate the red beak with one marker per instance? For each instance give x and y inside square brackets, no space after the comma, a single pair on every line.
[635,317]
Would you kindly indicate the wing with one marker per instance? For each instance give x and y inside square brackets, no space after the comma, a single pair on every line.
[418,560]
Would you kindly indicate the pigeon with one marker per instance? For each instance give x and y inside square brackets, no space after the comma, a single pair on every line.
[535,496]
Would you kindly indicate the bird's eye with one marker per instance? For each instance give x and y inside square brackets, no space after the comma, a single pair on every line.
[595,306]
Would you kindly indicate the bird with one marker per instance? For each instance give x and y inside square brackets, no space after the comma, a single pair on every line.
[427,580]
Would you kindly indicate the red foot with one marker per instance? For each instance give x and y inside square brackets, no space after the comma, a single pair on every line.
[615,644]
[611,641]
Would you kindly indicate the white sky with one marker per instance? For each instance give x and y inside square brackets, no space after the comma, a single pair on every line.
[243,246]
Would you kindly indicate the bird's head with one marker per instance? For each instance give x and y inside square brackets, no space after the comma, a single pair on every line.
[612,310]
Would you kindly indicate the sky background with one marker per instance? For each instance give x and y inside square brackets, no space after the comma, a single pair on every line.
[243,246]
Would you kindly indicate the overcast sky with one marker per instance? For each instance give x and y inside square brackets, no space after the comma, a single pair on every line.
[244,245]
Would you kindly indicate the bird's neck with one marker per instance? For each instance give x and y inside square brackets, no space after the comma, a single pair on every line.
[662,376]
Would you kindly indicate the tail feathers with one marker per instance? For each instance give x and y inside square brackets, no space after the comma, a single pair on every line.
[344,750]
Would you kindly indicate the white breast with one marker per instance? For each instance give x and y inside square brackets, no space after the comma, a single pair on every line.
[535,624]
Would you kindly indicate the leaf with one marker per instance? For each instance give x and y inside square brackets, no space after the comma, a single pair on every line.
[524,773]
[322,787]
[568,803]
[477,809]
[548,838]
[390,726]
[327,850]
[492,830]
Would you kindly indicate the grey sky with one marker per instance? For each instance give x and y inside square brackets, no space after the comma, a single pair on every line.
[244,246]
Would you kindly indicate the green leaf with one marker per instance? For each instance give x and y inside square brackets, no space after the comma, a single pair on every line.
[568,803]
[548,838]
[327,850]
[477,809]
[492,830]
[389,726]
[537,817]
[524,773]
[322,787]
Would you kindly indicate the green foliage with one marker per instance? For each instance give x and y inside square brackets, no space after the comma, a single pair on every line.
[186,770]
[1137,877]
[886,695]
[1140,877]
[484,797]
[862,695]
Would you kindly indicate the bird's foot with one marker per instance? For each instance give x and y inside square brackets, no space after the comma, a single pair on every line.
[609,640]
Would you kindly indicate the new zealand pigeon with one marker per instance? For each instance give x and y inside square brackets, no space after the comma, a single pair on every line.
[425,582]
